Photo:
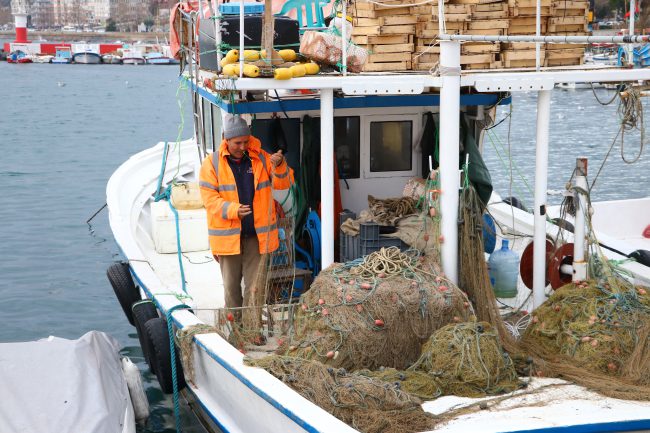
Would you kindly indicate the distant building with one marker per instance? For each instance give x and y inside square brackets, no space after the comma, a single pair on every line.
[42,14]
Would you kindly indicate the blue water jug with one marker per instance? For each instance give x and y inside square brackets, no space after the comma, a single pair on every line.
[504,270]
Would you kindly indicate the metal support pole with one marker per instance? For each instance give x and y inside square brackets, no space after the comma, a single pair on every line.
[327,176]
[579,263]
[241,38]
[541,174]
[630,47]
[538,33]
[449,159]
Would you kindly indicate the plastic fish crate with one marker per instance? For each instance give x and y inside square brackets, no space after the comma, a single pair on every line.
[348,250]
[249,8]
[368,247]
[369,231]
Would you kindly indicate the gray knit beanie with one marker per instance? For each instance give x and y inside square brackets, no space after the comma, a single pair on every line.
[235,126]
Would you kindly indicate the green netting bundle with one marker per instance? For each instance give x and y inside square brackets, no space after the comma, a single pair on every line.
[468,360]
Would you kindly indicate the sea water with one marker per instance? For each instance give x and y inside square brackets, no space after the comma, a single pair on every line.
[65,128]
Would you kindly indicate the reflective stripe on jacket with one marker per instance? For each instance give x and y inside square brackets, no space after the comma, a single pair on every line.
[221,201]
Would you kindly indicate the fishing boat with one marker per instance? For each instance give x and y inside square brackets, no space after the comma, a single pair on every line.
[369,124]
[132,56]
[86,58]
[45,58]
[19,57]
[113,59]
[63,55]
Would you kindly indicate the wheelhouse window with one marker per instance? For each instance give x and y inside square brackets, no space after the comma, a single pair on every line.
[207,123]
[391,146]
[216,126]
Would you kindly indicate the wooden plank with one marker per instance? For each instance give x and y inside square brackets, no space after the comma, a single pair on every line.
[491,7]
[397,20]
[387,67]
[393,11]
[527,21]
[525,30]
[393,48]
[395,30]
[567,28]
[570,4]
[521,55]
[530,12]
[565,62]
[389,57]
[526,63]
[531,3]
[421,10]
[564,21]
[483,32]
[489,24]
[381,40]
[365,22]
[476,58]
[473,66]
[565,54]
[565,46]
[479,48]
[424,66]
[425,57]
[489,15]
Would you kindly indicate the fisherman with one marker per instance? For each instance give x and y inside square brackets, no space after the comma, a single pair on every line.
[236,190]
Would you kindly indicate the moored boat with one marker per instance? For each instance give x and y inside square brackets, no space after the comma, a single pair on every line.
[371,128]
[86,58]
[111,59]
[132,56]
[63,55]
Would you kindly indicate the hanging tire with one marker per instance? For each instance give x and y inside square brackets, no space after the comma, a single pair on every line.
[127,294]
[515,202]
[563,224]
[144,311]
[156,331]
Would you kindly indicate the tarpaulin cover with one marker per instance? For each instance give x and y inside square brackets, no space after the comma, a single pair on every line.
[57,385]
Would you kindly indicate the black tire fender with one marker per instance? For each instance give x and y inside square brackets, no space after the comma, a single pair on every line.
[515,202]
[143,311]
[156,331]
[127,294]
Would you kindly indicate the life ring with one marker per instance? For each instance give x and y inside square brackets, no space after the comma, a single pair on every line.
[515,202]
[641,256]
[156,331]
[144,311]
[127,294]
[526,263]
[562,256]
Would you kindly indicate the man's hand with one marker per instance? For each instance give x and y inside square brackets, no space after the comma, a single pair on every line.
[243,211]
[277,158]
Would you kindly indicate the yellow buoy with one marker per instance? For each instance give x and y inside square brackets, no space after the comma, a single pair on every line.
[251,55]
[251,71]
[312,68]
[282,74]
[288,55]
[231,69]
[227,61]
[298,71]
[232,56]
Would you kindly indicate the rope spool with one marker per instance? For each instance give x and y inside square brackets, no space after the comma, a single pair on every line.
[526,263]
[562,256]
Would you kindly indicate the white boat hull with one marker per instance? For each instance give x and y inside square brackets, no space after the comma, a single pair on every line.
[237,398]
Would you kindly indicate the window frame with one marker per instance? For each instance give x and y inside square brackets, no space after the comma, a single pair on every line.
[415,120]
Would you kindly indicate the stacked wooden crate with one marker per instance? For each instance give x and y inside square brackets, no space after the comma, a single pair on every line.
[387,33]
[569,18]
[401,38]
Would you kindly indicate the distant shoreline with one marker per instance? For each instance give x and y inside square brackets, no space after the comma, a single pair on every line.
[52,36]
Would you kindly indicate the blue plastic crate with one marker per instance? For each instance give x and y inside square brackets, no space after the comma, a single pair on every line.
[249,8]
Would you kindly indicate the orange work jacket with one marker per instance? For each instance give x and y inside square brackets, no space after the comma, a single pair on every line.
[221,200]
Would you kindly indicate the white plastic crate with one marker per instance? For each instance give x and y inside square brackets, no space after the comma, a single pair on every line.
[193,225]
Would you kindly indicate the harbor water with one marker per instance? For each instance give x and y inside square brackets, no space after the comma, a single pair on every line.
[66,128]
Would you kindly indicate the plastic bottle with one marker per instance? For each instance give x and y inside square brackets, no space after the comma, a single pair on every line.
[336,24]
[504,270]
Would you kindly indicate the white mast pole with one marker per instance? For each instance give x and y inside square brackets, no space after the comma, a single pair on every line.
[579,263]
[449,159]
[344,38]
[241,38]
[630,47]
[327,176]
[541,173]
[538,33]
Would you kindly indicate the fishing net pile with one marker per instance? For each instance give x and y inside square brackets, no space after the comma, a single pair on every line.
[602,325]
[367,404]
[374,312]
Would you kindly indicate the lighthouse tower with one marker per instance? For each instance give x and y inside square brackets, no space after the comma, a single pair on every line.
[19,11]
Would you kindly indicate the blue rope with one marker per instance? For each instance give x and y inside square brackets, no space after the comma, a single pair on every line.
[178,243]
[158,195]
[172,353]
